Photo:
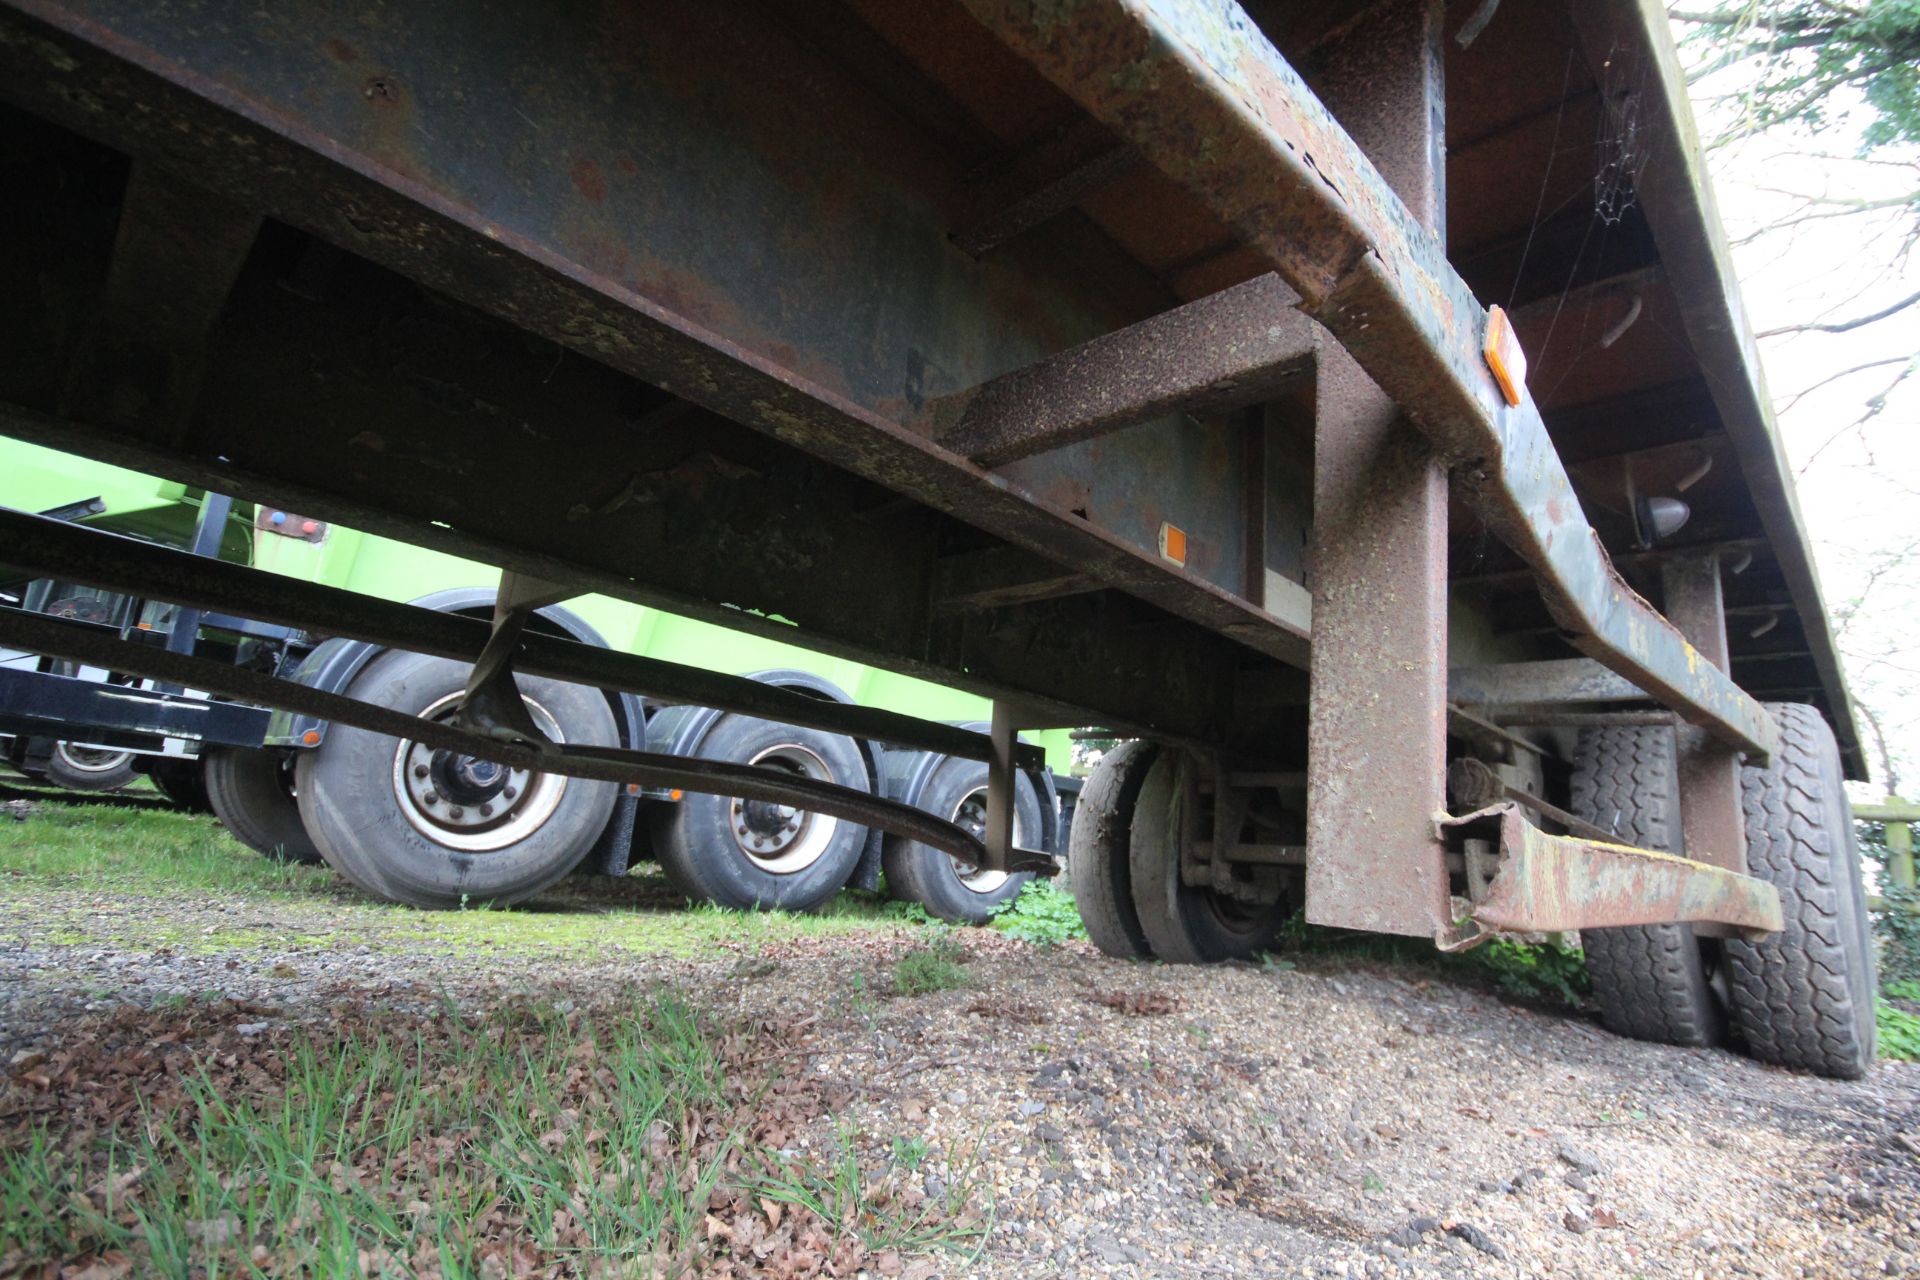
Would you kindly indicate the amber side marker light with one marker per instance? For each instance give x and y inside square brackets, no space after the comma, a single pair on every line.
[1173,544]
[1504,356]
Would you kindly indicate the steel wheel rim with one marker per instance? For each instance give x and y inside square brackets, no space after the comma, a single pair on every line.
[970,814]
[91,759]
[469,805]
[781,839]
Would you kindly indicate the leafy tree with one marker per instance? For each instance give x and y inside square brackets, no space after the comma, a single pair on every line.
[1816,103]
[1809,53]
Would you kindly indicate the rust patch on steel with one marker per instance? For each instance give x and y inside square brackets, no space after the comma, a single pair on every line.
[587,180]
[1546,884]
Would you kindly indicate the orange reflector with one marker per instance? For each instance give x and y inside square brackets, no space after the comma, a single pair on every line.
[633,788]
[311,737]
[143,626]
[1173,543]
[1504,356]
[675,794]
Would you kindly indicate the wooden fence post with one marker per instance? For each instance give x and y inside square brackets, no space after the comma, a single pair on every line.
[1900,848]
[1898,817]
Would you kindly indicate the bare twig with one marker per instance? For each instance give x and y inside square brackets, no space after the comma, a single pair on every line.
[1843,326]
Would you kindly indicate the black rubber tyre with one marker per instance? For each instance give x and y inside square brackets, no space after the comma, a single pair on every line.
[1805,997]
[251,792]
[957,791]
[1184,924]
[1099,850]
[437,830]
[1652,982]
[182,781]
[799,859]
[90,768]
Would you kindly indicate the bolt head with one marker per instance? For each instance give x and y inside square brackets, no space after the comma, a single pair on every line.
[420,771]
[431,797]
[510,792]
[486,811]
[456,812]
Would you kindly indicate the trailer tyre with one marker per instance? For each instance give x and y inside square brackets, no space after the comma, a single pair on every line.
[251,792]
[946,887]
[753,855]
[80,768]
[182,781]
[1186,924]
[1652,982]
[1804,998]
[435,829]
[1099,850]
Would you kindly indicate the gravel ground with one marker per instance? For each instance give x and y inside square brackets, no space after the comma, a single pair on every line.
[1139,1120]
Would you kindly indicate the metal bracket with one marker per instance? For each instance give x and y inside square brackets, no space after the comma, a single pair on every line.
[1002,778]
[492,704]
[1543,883]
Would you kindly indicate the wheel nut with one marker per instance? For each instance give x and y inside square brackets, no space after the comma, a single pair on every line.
[509,793]
[432,797]
[486,811]
[456,812]
[419,771]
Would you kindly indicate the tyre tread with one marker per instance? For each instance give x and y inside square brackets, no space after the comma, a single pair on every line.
[1803,998]
[1649,980]
[1099,850]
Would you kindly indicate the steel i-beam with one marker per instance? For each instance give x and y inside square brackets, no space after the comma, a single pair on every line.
[1198,89]
[1376,720]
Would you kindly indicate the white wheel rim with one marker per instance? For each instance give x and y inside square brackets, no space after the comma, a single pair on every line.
[780,838]
[970,813]
[474,806]
[91,759]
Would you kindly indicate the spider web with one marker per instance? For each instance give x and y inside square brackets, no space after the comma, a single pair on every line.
[1619,152]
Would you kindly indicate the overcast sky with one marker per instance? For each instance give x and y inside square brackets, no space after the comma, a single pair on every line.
[1859,490]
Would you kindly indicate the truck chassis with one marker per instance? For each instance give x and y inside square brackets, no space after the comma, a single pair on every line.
[1105,358]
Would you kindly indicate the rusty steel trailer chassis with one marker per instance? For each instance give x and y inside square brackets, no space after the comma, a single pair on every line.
[1363,311]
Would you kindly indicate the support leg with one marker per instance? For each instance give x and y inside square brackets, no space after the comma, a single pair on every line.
[1376,766]
[1710,815]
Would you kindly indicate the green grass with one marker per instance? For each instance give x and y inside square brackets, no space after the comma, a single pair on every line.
[1043,914]
[1898,1013]
[91,845]
[161,854]
[1548,974]
[530,1137]
[935,967]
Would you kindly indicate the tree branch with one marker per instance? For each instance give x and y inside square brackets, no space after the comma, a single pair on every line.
[1843,326]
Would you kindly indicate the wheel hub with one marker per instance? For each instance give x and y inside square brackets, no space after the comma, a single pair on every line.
[470,804]
[971,816]
[779,837]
